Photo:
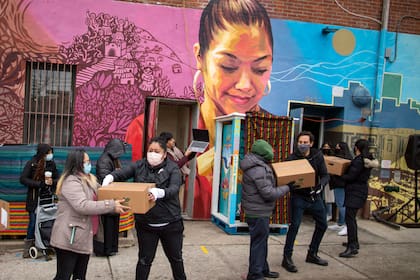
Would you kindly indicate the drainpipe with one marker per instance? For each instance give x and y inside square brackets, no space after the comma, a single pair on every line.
[381,60]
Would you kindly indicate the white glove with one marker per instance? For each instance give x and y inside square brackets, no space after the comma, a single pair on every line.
[157,193]
[107,180]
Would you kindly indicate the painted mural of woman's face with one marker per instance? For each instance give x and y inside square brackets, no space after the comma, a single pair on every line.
[236,68]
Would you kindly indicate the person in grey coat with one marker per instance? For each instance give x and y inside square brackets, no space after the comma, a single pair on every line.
[77,218]
[259,193]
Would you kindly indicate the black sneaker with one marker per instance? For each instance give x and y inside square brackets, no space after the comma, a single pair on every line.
[271,274]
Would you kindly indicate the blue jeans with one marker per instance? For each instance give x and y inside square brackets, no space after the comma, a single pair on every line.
[317,209]
[30,232]
[339,201]
[258,230]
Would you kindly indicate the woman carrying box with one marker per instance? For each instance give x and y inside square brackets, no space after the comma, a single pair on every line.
[77,216]
[163,221]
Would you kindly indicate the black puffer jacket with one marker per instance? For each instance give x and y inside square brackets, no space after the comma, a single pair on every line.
[166,176]
[316,159]
[259,191]
[34,186]
[356,178]
[106,162]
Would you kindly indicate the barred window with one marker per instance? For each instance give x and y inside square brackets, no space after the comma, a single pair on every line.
[49,97]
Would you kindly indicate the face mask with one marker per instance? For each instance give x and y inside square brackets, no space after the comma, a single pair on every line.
[49,157]
[154,159]
[87,167]
[303,148]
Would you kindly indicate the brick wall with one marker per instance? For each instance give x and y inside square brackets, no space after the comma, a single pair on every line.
[328,12]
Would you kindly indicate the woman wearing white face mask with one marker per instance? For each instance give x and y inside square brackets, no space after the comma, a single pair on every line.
[33,177]
[162,222]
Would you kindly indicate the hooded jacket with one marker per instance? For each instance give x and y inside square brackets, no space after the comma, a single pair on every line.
[259,190]
[106,162]
[316,159]
[356,181]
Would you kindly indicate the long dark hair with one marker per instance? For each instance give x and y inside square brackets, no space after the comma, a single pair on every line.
[363,146]
[42,151]
[74,166]
[218,13]
[344,151]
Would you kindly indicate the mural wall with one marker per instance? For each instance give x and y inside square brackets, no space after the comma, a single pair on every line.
[124,55]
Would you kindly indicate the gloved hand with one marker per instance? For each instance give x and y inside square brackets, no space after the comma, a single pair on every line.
[107,180]
[317,190]
[157,193]
[292,185]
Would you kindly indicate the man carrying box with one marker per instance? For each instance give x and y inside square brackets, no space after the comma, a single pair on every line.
[309,199]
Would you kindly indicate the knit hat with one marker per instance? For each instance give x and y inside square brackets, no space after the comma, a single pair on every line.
[262,148]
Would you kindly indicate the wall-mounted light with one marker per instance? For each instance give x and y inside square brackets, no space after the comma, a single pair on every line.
[327,30]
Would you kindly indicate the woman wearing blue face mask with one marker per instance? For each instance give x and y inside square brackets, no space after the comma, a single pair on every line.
[33,177]
[77,216]
[163,221]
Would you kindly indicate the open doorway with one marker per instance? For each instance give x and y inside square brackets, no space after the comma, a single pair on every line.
[322,120]
[176,116]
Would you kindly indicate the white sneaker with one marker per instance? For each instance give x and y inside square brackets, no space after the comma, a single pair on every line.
[343,232]
[329,218]
[336,227]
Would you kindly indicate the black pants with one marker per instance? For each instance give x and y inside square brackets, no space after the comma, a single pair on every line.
[352,239]
[171,238]
[317,210]
[70,263]
[111,225]
[259,230]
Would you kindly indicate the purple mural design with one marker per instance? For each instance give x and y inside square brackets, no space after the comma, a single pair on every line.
[119,65]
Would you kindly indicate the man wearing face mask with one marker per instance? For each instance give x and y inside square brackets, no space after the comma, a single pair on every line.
[163,221]
[307,199]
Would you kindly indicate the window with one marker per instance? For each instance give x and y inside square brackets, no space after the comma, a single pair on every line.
[49,97]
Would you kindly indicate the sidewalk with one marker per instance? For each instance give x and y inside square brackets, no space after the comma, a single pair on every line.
[210,253]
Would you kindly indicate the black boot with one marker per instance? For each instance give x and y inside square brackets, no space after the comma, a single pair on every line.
[348,253]
[312,257]
[357,245]
[288,264]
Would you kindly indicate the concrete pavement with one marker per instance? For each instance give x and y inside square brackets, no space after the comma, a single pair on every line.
[210,253]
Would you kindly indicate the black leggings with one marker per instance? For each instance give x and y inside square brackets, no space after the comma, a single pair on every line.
[70,263]
[171,238]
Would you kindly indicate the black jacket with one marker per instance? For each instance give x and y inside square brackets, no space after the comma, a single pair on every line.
[106,162]
[166,176]
[259,190]
[356,179]
[34,186]
[316,159]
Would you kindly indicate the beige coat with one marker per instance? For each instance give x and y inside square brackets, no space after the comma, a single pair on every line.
[76,205]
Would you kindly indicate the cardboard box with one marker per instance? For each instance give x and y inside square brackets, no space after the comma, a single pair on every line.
[136,195]
[4,215]
[299,171]
[336,165]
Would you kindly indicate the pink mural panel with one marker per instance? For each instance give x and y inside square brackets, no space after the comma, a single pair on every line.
[124,52]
